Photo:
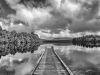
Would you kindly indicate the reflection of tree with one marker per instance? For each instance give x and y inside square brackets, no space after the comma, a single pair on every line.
[13,49]
[87,41]
[13,42]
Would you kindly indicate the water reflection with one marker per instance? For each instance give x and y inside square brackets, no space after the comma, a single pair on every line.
[87,41]
[18,64]
[11,48]
[81,60]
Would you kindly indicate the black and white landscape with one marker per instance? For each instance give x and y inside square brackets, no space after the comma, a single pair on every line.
[27,27]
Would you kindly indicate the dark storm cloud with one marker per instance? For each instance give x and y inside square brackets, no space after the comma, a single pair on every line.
[93,9]
[87,20]
[33,3]
[83,21]
[57,22]
[26,13]
[1,9]
[38,1]
[57,18]
[6,9]
[43,1]
[19,21]
[81,26]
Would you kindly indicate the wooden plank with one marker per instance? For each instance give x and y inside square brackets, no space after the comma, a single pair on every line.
[53,64]
[66,67]
[38,62]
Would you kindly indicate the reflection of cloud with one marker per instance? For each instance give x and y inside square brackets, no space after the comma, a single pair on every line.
[82,58]
[69,48]
[24,69]
[21,63]
[42,48]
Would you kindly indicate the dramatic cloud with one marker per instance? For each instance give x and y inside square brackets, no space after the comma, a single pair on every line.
[3,26]
[64,33]
[42,18]
[81,26]
[57,16]
[80,15]
[32,16]
[88,21]
[5,9]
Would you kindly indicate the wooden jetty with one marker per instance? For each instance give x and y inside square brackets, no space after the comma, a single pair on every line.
[50,63]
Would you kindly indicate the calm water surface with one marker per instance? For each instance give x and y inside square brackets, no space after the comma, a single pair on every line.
[82,61]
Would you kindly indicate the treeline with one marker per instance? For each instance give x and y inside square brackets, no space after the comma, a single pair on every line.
[14,37]
[87,41]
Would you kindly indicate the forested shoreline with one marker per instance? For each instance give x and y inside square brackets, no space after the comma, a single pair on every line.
[13,42]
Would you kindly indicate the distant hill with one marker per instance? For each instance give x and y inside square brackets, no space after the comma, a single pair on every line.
[63,38]
[58,41]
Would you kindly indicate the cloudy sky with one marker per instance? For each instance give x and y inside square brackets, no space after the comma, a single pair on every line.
[51,18]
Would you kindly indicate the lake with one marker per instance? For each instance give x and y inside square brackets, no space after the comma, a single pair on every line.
[81,60]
